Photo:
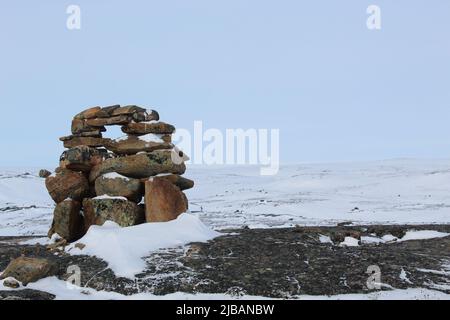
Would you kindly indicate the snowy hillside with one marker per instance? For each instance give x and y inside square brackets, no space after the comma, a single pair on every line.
[394,191]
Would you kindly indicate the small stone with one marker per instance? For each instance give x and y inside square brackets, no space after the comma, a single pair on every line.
[80,246]
[28,270]
[11,283]
[152,115]
[345,223]
[43,173]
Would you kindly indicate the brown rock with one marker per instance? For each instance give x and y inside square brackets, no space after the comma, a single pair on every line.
[128,110]
[139,166]
[67,184]
[139,116]
[80,126]
[28,270]
[152,115]
[81,158]
[86,141]
[166,138]
[67,220]
[148,127]
[135,144]
[93,134]
[88,113]
[116,185]
[43,173]
[100,122]
[107,112]
[163,200]
[123,212]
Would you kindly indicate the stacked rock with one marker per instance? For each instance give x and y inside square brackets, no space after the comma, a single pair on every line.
[100,179]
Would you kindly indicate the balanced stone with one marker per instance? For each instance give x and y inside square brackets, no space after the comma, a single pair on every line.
[115,120]
[86,141]
[114,184]
[135,144]
[67,220]
[143,165]
[81,158]
[106,112]
[141,128]
[93,134]
[67,184]
[119,210]
[163,200]
[79,126]
[127,110]
[88,113]
[179,181]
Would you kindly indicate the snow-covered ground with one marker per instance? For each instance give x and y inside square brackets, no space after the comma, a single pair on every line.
[392,191]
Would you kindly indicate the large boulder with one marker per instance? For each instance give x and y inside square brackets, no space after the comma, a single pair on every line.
[28,270]
[65,184]
[75,141]
[123,212]
[81,158]
[164,201]
[116,185]
[67,220]
[135,144]
[143,165]
[148,127]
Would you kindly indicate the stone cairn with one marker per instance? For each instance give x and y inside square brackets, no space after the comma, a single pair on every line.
[100,179]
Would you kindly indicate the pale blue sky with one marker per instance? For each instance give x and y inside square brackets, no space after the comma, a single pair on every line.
[336,90]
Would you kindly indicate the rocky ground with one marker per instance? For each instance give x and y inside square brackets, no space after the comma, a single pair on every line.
[278,263]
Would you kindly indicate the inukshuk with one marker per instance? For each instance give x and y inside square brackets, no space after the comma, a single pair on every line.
[100,179]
